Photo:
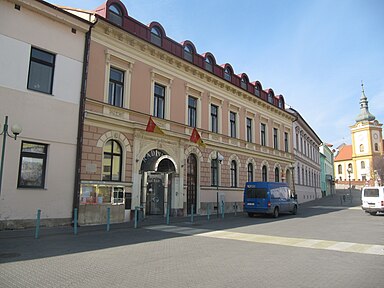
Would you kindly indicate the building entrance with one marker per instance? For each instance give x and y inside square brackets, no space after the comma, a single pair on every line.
[155,196]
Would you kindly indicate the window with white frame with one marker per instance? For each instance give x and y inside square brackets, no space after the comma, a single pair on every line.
[275,138]
[214,118]
[192,111]
[116,87]
[233,173]
[249,129]
[159,101]
[112,161]
[232,124]
[263,137]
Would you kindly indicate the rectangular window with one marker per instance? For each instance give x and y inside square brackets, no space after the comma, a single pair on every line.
[159,103]
[116,87]
[214,118]
[286,142]
[275,138]
[41,67]
[232,124]
[32,165]
[263,134]
[249,129]
[192,113]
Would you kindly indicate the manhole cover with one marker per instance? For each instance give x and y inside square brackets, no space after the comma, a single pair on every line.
[9,255]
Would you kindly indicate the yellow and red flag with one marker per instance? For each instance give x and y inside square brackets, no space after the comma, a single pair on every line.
[195,138]
[152,127]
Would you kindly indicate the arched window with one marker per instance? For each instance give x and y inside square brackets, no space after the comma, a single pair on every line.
[188,53]
[233,173]
[362,165]
[339,169]
[376,147]
[215,172]
[350,167]
[156,36]
[250,172]
[277,174]
[112,160]
[280,103]
[227,74]
[361,148]
[208,63]
[270,98]
[264,174]
[115,15]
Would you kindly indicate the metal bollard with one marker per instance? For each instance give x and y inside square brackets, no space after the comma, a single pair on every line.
[208,212]
[136,215]
[235,208]
[37,224]
[75,221]
[222,209]
[167,215]
[192,213]
[108,218]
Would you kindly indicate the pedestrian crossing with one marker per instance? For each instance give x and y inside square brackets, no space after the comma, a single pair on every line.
[347,247]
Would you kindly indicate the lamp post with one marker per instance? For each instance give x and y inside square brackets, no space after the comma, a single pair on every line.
[349,179]
[292,168]
[16,130]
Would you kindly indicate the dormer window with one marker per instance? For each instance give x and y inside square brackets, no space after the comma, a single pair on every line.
[156,36]
[208,63]
[244,83]
[280,104]
[115,15]
[188,53]
[227,74]
[257,91]
[270,98]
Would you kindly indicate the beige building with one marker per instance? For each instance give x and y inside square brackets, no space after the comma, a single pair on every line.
[363,160]
[136,72]
[40,82]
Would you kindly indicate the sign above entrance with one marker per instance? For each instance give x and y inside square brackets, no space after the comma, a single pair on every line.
[157,161]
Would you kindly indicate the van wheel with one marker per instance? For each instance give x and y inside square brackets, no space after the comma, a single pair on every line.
[373,213]
[251,214]
[276,212]
[294,210]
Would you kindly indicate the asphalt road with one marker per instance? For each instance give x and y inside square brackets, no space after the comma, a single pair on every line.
[328,244]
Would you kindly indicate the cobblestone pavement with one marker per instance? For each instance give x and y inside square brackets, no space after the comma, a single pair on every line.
[330,243]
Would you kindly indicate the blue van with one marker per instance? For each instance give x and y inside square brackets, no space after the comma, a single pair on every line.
[268,198]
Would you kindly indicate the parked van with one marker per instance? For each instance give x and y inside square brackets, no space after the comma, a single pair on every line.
[372,199]
[268,198]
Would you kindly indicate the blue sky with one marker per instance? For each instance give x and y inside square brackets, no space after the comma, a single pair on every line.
[314,52]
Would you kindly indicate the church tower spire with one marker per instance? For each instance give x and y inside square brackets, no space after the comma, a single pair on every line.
[364,115]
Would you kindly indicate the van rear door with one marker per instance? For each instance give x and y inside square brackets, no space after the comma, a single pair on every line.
[257,198]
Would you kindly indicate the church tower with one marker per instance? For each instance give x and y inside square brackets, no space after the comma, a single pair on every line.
[367,142]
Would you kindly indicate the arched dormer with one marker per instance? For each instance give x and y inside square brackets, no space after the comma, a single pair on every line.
[188,50]
[116,12]
[244,80]
[157,33]
[258,88]
[270,95]
[209,61]
[228,72]
[281,101]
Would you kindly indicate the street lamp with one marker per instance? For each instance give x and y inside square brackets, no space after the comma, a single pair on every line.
[349,178]
[219,159]
[292,168]
[16,130]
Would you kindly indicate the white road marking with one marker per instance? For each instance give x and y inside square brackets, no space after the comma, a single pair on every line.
[348,247]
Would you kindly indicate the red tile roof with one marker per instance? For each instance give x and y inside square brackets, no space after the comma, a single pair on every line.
[345,153]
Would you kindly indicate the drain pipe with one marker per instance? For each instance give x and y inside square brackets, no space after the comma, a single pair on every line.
[79,148]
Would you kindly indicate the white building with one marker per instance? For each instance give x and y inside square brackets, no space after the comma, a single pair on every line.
[40,83]
[306,145]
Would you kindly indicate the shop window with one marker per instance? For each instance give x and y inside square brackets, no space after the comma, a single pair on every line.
[33,161]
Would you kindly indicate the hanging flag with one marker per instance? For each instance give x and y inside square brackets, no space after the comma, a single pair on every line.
[152,127]
[195,138]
